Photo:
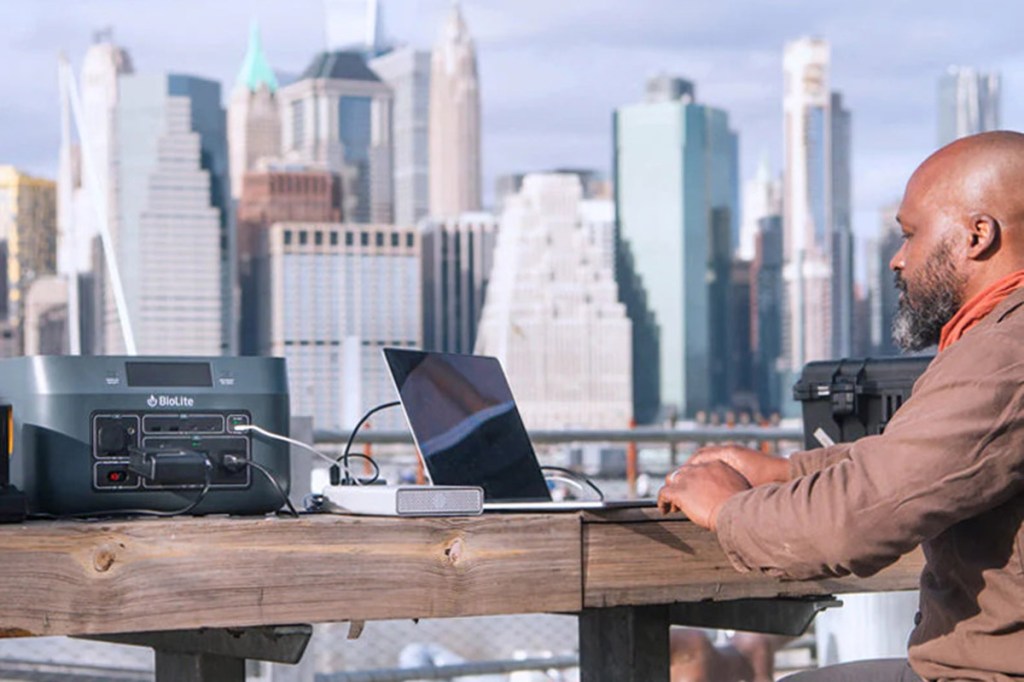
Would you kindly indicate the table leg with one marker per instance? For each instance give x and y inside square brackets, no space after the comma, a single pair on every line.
[624,644]
[198,668]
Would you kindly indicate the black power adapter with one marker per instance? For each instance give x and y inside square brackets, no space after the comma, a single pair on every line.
[170,467]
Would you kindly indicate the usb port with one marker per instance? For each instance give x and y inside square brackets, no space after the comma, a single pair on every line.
[235,421]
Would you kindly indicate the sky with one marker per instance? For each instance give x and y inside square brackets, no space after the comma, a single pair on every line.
[553,71]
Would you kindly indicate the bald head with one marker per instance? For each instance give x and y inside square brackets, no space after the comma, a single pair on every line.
[982,173]
[970,195]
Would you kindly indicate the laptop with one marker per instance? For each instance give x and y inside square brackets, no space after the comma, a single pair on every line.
[468,430]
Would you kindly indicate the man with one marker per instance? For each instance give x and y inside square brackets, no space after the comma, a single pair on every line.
[948,473]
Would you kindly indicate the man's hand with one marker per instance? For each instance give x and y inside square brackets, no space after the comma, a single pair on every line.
[755,466]
[698,490]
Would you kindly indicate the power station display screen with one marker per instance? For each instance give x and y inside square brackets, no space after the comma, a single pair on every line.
[169,374]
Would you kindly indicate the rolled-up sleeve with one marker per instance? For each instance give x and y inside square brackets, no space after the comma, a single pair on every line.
[954,450]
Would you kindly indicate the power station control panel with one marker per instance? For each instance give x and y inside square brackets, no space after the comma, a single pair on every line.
[117,435]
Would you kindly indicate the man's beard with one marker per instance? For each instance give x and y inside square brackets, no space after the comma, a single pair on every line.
[937,295]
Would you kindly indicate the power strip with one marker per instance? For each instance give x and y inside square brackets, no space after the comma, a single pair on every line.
[406,500]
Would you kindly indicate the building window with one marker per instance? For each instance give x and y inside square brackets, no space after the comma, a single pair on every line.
[380,239]
[409,240]
[349,239]
[318,238]
[298,124]
[334,238]
[355,121]
[287,237]
[394,239]
[303,237]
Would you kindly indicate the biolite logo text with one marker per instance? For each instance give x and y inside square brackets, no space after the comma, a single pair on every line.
[170,401]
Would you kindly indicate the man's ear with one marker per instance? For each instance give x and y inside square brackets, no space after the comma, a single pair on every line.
[983,236]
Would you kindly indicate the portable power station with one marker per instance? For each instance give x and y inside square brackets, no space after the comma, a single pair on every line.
[95,434]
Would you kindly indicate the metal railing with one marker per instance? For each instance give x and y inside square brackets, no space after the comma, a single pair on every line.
[765,437]
[699,434]
[453,671]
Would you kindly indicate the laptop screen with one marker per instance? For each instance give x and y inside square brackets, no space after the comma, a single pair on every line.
[466,424]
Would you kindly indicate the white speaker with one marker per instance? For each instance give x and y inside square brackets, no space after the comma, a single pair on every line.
[406,500]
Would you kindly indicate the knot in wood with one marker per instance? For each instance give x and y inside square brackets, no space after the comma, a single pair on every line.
[104,559]
[453,552]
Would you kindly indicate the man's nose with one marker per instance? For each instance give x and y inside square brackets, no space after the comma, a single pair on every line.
[898,262]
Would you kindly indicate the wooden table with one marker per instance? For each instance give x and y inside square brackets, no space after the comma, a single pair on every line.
[622,571]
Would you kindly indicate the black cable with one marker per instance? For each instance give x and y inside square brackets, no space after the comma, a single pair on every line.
[336,470]
[343,458]
[208,481]
[273,481]
[576,476]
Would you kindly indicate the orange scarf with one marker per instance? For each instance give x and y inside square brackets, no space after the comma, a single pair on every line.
[978,307]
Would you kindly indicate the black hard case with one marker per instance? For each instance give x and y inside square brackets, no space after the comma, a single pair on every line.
[851,398]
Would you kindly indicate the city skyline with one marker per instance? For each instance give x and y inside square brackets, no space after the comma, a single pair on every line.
[552,75]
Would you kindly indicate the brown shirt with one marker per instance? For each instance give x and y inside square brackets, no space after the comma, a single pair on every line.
[948,474]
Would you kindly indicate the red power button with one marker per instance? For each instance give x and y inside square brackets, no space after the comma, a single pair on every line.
[116,476]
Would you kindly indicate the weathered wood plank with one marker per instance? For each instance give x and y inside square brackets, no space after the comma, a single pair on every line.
[642,557]
[145,575]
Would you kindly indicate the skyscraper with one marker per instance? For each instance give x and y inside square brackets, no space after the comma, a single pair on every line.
[762,196]
[335,294]
[739,370]
[85,181]
[597,220]
[646,341]
[46,316]
[766,313]
[407,71]
[103,65]
[170,223]
[454,121]
[842,231]
[969,103]
[761,243]
[365,36]
[271,195]
[254,117]
[458,255]
[209,122]
[552,314]
[595,184]
[883,296]
[28,241]
[861,322]
[677,196]
[817,241]
[337,116]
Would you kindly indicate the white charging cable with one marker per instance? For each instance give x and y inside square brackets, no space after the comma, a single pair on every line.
[239,428]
